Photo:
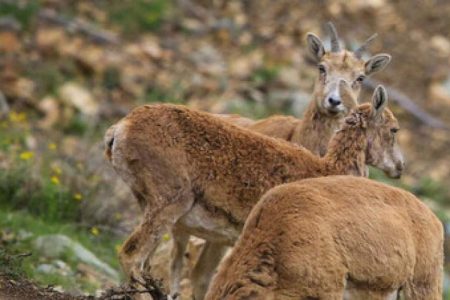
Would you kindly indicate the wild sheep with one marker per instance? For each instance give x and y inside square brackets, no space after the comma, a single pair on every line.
[321,119]
[197,174]
[327,107]
[336,237]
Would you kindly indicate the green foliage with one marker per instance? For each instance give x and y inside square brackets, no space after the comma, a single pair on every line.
[158,95]
[430,188]
[77,126]
[11,265]
[29,182]
[138,16]
[103,246]
[50,76]
[43,196]
[23,11]
[378,175]
[264,75]
[111,78]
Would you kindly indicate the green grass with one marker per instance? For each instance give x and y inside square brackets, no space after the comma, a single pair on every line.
[23,11]
[159,95]
[77,125]
[34,180]
[103,245]
[264,75]
[138,16]
[39,194]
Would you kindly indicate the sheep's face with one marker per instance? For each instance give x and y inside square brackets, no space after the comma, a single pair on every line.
[334,68]
[383,151]
[337,65]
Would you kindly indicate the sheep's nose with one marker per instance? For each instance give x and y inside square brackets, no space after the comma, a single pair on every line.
[333,101]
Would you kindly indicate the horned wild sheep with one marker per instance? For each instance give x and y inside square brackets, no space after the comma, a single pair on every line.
[336,237]
[195,173]
[321,119]
[327,108]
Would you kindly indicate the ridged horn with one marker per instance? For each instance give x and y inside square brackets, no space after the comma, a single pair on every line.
[335,47]
[358,52]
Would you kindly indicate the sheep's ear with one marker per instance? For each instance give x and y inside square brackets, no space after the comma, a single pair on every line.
[315,46]
[379,101]
[346,93]
[377,63]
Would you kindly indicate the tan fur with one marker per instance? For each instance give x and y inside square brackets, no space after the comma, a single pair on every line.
[193,171]
[236,120]
[282,127]
[337,237]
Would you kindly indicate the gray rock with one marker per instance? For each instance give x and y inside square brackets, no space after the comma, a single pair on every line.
[46,268]
[296,100]
[23,234]
[58,245]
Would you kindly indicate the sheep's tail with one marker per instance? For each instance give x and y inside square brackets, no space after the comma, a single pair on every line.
[109,142]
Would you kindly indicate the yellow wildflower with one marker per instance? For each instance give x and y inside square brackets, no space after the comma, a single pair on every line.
[166,237]
[95,231]
[78,196]
[55,180]
[17,117]
[57,170]
[118,247]
[27,155]
[52,146]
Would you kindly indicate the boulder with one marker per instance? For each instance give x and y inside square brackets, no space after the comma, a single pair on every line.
[58,246]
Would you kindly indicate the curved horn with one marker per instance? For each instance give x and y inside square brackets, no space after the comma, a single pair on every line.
[335,47]
[358,52]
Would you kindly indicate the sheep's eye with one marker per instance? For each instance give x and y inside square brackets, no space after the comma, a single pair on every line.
[394,130]
[360,78]
[322,69]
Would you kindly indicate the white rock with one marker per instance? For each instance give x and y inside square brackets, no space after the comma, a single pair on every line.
[46,268]
[57,245]
[440,44]
[78,96]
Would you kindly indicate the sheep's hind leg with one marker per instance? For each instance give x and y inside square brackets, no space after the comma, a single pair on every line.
[205,267]
[423,291]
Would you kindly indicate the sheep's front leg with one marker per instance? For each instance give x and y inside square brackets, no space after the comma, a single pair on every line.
[142,243]
[205,267]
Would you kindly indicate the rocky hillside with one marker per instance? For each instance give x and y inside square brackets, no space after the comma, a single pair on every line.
[69,69]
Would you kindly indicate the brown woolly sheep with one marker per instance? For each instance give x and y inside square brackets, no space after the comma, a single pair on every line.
[327,107]
[199,175]
[336,237]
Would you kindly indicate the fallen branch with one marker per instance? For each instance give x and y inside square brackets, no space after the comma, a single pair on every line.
[22,255]
[408,104]
[78,26]
[149,286]
[4,107]
[195,10]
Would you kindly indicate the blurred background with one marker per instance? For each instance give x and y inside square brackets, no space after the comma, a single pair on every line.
[69,69]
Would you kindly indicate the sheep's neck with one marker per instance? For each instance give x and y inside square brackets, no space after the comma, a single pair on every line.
[347,153]
[315,130]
